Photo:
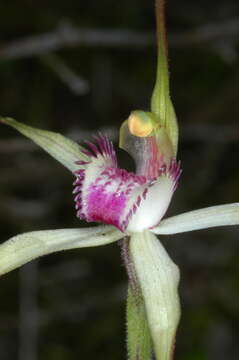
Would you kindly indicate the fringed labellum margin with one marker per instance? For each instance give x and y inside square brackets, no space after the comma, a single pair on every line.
[131,202]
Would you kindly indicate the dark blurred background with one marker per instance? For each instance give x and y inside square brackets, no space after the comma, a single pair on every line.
[77,67]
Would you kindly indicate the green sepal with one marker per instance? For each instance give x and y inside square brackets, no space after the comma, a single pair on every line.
[158,277]
[23,248]
[139,343]
[64,150]
[161,104]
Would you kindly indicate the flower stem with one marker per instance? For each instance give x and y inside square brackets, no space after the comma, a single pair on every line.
[139,344]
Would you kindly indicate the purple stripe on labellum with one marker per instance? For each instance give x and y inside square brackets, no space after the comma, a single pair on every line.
[105,145]
[155,162]
[87,152]
[95,150]
[175,171]
[80,162]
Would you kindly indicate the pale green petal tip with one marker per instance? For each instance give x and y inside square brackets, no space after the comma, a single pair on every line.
[213,216]
[6,120]
[64,150]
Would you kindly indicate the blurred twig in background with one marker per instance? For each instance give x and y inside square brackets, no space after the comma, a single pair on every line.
[74,82]
[67,35]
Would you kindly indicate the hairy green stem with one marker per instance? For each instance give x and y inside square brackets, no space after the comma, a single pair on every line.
[139,344]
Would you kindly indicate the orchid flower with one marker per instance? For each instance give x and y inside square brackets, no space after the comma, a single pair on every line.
[131,207]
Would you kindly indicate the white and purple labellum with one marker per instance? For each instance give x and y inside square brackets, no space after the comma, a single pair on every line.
[108,194]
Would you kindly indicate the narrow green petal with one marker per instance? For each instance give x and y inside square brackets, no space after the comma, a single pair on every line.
[172,127]
[158,277]
[138,336]
[25,247]
[161,104]
[220,215]
[59,147]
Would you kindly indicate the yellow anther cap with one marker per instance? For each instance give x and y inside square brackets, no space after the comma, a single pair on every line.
[140,123]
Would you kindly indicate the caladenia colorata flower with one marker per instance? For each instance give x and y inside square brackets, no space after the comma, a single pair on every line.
[131,207]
